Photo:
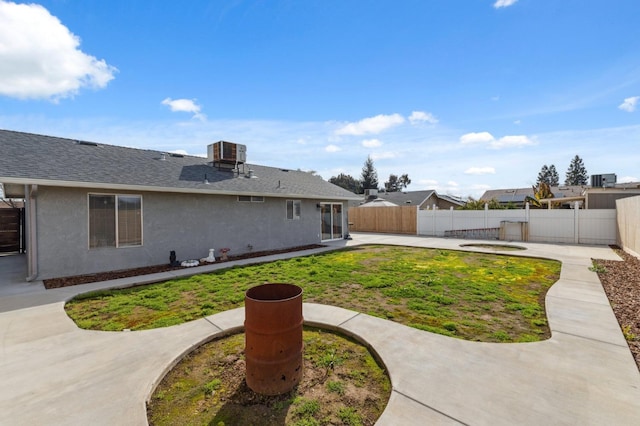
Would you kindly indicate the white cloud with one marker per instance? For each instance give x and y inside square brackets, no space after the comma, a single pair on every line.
[332,148]
[504,3]
[629,104]
[480,137]
[371,143]
[421,116]
[517,122]
[511,141]
[373,125]
[185,105]
[503,142]
[40,58]
[480,171]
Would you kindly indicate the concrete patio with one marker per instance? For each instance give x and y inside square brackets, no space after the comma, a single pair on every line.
[55,373]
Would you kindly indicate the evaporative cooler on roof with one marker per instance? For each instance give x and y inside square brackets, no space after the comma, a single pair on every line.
[225,154]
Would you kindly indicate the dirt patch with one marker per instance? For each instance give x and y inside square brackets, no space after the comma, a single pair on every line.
[113,275]
[342,384]
[621,282]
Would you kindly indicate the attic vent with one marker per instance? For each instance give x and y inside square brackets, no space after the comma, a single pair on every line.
[174,154]
[86,143]
[284,170]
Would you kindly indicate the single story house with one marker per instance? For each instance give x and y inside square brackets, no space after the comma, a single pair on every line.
[93,207]
[605,197]
[567,195]
[425,200]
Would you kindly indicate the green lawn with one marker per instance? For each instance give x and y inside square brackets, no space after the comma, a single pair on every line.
[474,296]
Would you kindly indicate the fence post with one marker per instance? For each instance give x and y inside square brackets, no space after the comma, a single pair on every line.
[486,214]
[433,222]
[451,211]
[576,223]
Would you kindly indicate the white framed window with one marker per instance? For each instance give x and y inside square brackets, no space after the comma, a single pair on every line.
[115,220]
[250,199]
[293,209]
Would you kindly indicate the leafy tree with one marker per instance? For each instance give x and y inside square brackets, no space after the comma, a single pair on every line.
[404,180]
[541,192]
[369,178]
[548,175]
[576,173]
[396,184]
[347,182]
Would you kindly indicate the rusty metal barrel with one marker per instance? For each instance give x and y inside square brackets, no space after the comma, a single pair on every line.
[273,338]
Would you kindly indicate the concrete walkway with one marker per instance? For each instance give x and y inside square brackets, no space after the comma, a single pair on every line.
[54,373]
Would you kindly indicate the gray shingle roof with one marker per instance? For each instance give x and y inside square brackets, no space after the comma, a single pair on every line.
[47,160]
[518,195]
[413,198]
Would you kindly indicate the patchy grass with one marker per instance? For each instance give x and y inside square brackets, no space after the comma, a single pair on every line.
[208,387]
[474,296]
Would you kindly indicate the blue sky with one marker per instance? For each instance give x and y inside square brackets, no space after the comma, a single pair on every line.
[463,95]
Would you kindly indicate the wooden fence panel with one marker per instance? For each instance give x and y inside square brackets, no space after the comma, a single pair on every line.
[392,220]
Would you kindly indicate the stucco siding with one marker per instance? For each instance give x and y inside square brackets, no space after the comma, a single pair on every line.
[190,224]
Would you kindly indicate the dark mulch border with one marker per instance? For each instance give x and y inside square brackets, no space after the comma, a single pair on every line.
[621,283]
[146,270]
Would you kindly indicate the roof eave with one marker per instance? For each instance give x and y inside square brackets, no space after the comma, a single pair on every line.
[147,188]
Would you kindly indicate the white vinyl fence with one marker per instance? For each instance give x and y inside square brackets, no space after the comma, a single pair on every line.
[573,226]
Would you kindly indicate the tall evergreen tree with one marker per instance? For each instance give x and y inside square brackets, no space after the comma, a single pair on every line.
[548,175]
[347,182]
[576,173]
[542,175]
[369,176]
[554,179]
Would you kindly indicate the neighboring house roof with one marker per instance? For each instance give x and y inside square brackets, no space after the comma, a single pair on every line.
[452,199]
[414,198]
[379,202]
[36,159]
[518,195]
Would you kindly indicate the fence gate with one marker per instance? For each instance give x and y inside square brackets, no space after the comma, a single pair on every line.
[11,230]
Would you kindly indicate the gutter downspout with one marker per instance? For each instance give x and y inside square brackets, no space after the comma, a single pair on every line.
[32,232]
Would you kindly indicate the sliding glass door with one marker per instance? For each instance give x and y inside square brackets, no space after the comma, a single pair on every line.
[331,214]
